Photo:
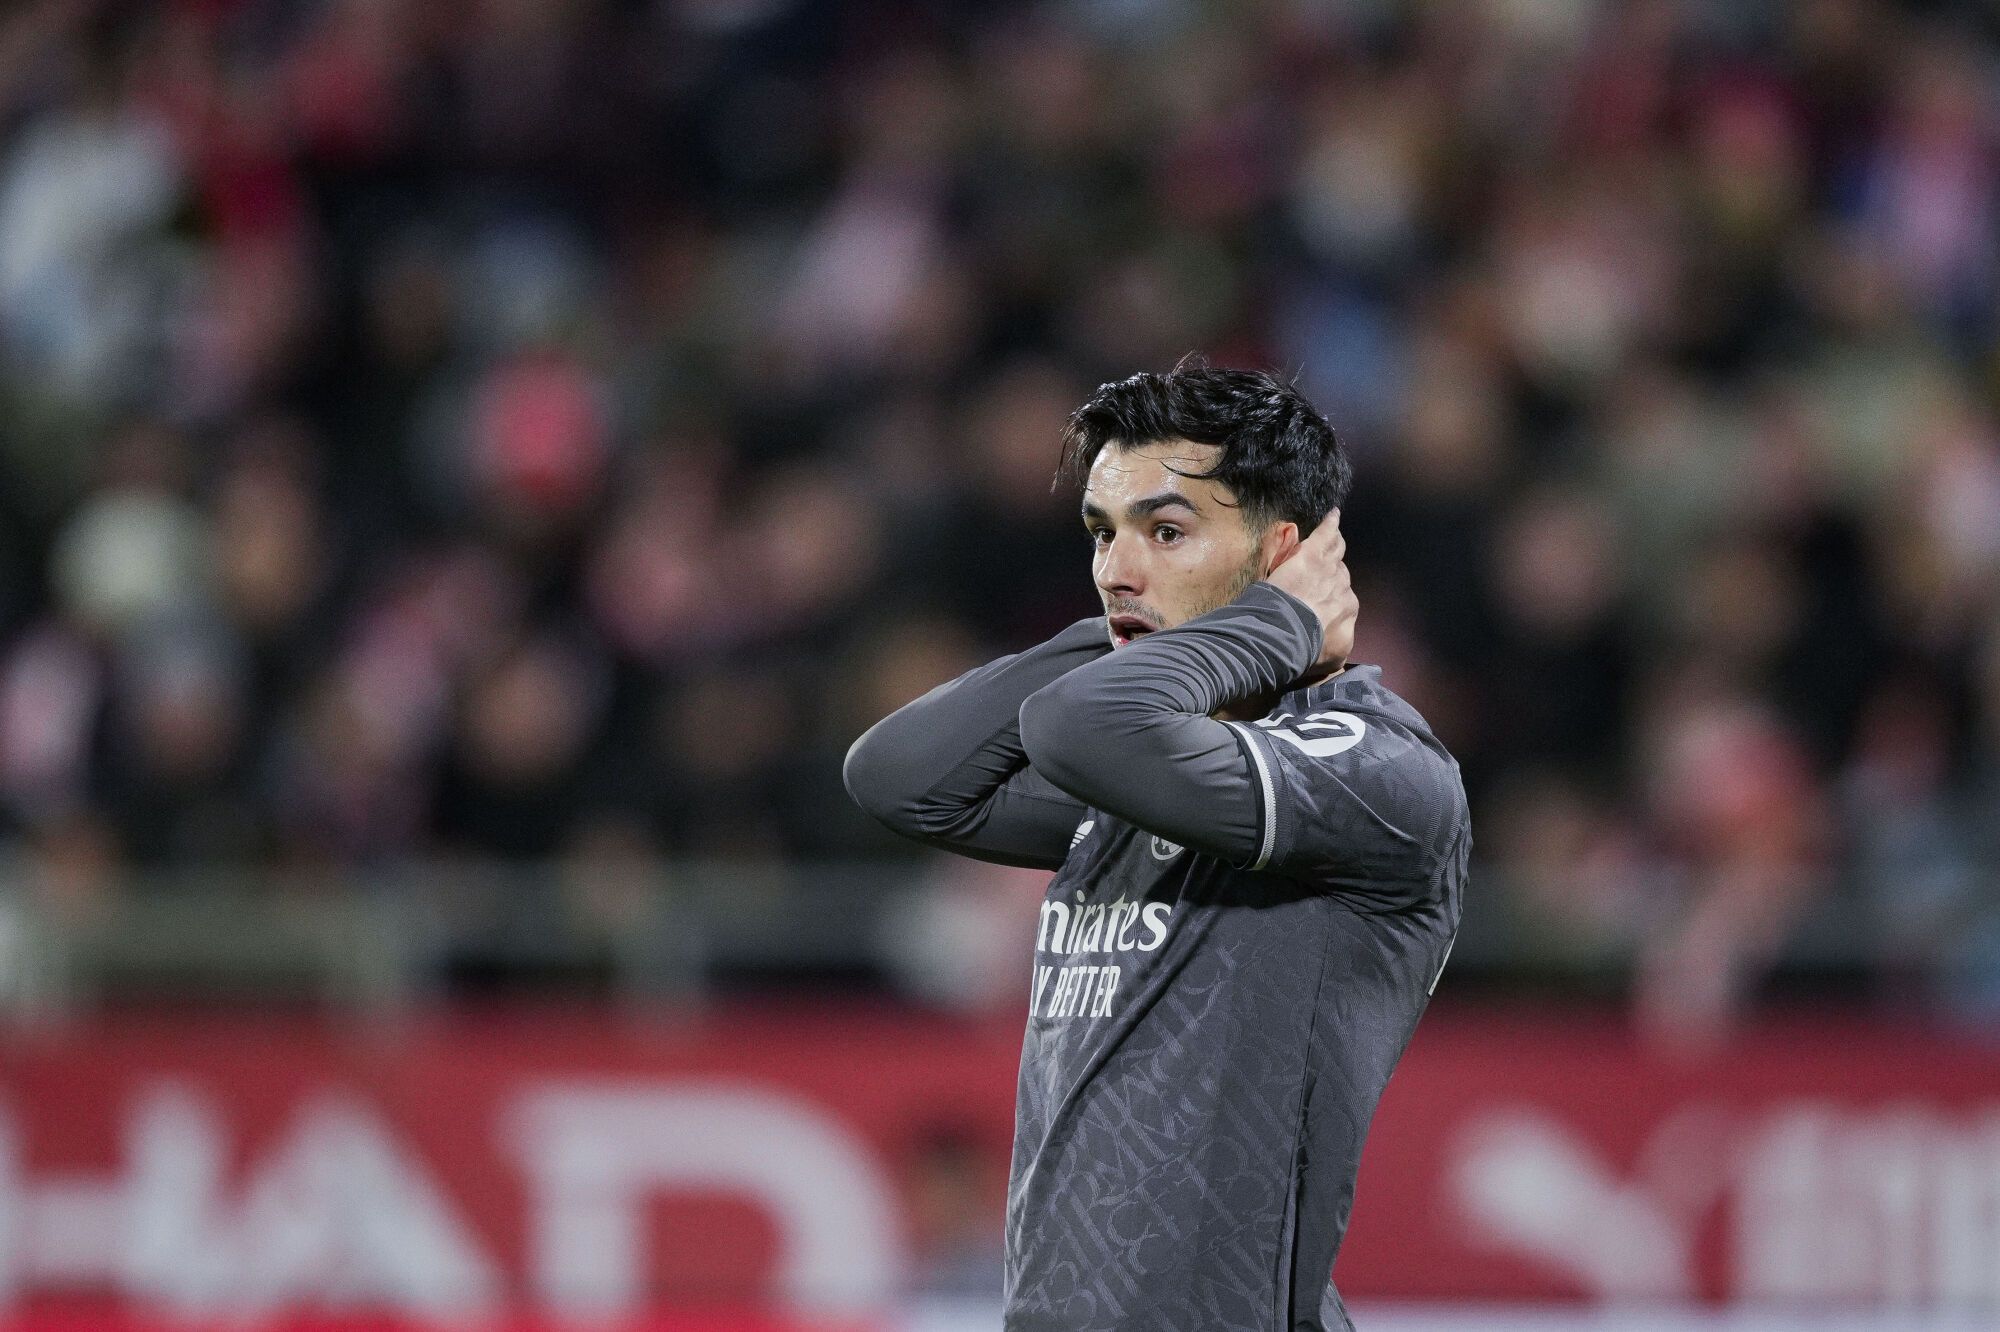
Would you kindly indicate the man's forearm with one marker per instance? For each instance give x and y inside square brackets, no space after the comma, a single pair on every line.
[1133,734]
[949,768]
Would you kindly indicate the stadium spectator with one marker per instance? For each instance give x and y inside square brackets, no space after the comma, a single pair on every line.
[474,430]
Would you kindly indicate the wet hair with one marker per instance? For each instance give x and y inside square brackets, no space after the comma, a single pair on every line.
[1280,457]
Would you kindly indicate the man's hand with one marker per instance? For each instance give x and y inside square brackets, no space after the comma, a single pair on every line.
[1315,571]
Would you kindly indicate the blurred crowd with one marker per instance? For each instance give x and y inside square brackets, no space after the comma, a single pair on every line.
[539,429]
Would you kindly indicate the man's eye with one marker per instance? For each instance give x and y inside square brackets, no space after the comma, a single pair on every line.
[1100,536]
[1167,534]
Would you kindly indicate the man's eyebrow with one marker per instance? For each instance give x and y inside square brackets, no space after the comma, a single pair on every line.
[1137,509]
[1166,499]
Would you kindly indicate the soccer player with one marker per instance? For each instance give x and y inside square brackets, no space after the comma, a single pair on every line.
[1260,852]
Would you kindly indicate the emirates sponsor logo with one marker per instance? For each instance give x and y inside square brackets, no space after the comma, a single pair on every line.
[1086,930]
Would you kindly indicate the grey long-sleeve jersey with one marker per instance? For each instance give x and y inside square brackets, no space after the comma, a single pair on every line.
[1246,921]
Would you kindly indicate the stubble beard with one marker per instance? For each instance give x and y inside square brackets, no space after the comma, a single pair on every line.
[1251,571]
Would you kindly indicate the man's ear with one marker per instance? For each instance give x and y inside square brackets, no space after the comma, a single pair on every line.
[1280,541]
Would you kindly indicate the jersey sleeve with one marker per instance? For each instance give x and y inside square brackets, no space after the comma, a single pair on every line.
[1357,804]
[1356,799]
[949,769]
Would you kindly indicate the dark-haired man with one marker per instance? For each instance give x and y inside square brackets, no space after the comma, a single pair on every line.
[1260,854]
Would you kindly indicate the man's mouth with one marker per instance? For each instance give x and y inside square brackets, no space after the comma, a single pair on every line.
[1125,628]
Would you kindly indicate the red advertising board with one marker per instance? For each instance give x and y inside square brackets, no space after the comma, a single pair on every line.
[1810,1162]
[827,1162]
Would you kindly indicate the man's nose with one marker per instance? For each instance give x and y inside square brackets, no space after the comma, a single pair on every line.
[1118,571]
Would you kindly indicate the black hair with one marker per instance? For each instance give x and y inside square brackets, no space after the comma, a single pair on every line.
[1280,457]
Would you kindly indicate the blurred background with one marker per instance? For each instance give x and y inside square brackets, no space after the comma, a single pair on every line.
[468,468]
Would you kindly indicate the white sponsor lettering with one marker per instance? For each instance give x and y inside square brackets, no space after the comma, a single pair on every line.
[1093,929]
[1896,1207]
[1899,1208]
[594,1155]
[1526,1183]
[1128,912]
[1085,990]
[1101,929]
[337,1214]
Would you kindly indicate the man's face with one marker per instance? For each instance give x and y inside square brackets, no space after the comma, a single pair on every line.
[1169,546]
